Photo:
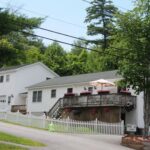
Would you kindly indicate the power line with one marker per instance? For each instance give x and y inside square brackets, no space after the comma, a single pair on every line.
[60,33]
[56,32]
[50,17]
[43,37]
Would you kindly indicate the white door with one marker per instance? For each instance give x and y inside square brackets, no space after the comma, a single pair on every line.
[3,103]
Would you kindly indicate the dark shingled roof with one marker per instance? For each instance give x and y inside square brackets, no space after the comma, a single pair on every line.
[83,78]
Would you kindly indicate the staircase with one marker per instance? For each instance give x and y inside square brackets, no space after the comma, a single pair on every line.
[56,110]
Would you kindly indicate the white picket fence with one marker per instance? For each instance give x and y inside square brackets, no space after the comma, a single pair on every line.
[64,125]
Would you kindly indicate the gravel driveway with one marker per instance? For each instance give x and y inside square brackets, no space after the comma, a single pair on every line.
[60,141]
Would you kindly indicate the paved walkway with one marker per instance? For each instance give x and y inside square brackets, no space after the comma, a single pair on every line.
[59,141]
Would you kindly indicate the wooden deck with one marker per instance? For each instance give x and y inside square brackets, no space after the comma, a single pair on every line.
[98,100]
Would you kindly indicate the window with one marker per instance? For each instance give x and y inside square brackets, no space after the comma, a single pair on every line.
[90,89]
[37,96]
[2,99]
[53,93]
[1,79]
[69,90]
[7,78]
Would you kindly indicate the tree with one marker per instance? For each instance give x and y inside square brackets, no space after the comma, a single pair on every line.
[77,64]
[33,55]
[132,40]
[8,54]
[76,49]
[54,57]
[12,27]
[100,16]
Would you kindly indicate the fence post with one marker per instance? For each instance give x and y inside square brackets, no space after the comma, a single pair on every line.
[17,116]
[5,116]
[44,121]
[68,121]
[29,118]
[95,126]
[122,127]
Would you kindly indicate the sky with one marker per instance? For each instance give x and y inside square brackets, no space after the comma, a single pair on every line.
[65,16]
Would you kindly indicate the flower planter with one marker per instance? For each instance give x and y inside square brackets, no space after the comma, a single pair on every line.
[69,94]
[85,93]
[125,92]
[102,92]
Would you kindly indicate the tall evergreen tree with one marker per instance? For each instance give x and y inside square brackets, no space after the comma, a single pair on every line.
[100,16]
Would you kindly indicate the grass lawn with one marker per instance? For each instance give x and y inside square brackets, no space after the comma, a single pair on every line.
[9,122]
[19,140]
[11,147]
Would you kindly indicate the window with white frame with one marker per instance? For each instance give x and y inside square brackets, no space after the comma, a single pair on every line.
[7,78]
[1,79]
[37,96]
[53,93]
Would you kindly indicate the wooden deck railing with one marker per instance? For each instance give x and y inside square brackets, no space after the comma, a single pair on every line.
[99,100]
[119,100]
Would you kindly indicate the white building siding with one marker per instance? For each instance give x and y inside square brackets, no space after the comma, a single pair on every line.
[20,79]
[48,102]
[28,76]
[8,88]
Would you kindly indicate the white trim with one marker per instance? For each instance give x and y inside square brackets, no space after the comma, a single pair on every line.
[7,71]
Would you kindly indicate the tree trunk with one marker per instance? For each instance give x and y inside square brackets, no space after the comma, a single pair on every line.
[146,109]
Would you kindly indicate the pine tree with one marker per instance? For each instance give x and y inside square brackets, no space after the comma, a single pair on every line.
[100,16]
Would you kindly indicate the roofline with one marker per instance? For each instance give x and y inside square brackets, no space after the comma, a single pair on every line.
[8,71]
[43,65]
[22,67]
[79,83]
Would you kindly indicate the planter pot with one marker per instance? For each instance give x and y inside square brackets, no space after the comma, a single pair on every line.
[125,92]
[69,94]
[101,92]
[85,93]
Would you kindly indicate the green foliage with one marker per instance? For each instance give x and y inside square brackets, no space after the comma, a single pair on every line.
[54,58]
[33,55]
[8,53]
[133,50]
[77,50]
[18,140]
[100,16]
[13,42]
[10,22]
